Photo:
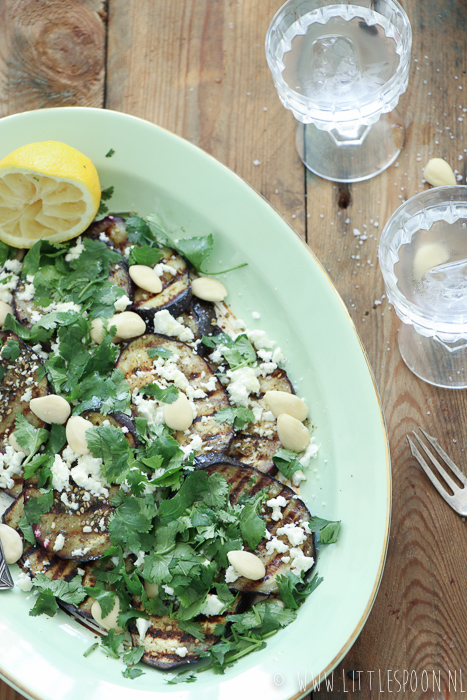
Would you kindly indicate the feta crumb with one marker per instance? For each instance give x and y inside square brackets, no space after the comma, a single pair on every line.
[142,626]
[231,574]
[243,382]
[122,303]
[212,606]
[59,542]
[294,534]
[166,324]
[181,651]
[276,504]
[24,582]
[276,545]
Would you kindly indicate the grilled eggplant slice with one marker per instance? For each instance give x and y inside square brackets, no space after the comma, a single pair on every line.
[176,289]
[164,636]
[259,442]
[17,388]
[247,480]
[14,512]
[138,368]
[62,527]
[111,230]
[37,560]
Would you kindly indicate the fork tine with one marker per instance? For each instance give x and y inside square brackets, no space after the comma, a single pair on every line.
[434,443]
[421,460]
[437,465]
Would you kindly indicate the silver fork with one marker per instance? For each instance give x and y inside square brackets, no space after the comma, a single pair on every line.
[5,577]
[458,499]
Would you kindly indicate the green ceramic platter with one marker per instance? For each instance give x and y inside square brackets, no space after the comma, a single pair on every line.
[154,171]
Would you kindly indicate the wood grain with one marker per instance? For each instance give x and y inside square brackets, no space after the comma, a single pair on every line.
[197,68]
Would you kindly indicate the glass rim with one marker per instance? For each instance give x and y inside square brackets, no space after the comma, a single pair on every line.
[349,105]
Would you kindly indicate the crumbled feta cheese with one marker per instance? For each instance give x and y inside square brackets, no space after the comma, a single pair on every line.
[122,303]
[259,339]
[243,382]
[142,626]
[276,545]
[166,324]
[28,292]
[59,542]
[88,476]
[168,589]
[212,606]
[310,452]
[181,651]
[231,574]
[294,534]
[195,444]
[10,466]
[75,251]
[276,504]
[72,505]
[60,474]
[27,396]
[160,268]
[300,561]
[24,582]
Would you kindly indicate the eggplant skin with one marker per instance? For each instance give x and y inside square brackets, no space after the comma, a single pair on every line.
[201,319]
[175,296]
[19,381]
[247,480]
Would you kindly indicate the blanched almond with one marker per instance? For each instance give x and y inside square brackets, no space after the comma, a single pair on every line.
[152,589]
[76,428]
[438,173]
[16,446]
[208,289]
[97,330]
[284,402]
[179,414]
[110,620]
[128,325]
[5,309]
[12,544]
[146,278]
[247,564]
[51,408]
[292,433]
[429,255]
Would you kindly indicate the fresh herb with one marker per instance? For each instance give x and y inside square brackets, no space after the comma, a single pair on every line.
[327,531]
[238,416]
[168,395]
[238,353]
[106,194]
[71,592]
[293,590]
[145,255]
[112,642]
[11,351]
[90,649]
[110,153]
[6,253]
[287,462]
[160,352]
[46,604]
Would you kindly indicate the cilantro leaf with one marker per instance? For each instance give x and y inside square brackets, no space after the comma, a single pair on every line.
[138,231]
[106,599]
[108,443]
[110,153]
[252,525]
[29,437]
[70,592]
[238,352]
[145,255]
[111,643]
[26,530]
[11,351]
[130,520]
[287,462]
[45,604]
[327,530]
[106,394]
[106,194]
[6,253]
[35,507]
[160,352]
[131,672]
[293,590]
[168,395]
[238,416]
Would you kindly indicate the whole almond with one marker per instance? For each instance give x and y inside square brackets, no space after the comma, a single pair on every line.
[152,589]
[178,415]
[51,408]
[284,402]
[75,431]
[429,255]
[292,433]
[208,289]
[110,620]
[438,173]
[247,564]
[128,325]
[5,309]
[146,278]
[97,330]
[12,544]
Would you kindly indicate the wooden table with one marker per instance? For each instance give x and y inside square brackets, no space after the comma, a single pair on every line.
[197,68]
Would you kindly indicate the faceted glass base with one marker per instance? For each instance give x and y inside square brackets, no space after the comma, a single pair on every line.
[437,363]
[345,158]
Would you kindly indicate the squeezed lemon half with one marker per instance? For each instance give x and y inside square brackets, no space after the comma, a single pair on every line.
[47,190]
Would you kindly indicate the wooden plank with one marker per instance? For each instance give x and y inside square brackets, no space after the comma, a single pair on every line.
[198,68]
[419,619]
[52,54]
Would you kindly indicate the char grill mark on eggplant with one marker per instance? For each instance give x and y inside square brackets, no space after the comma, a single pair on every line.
[78,545]
[14,512]
[252,445]
[113,227]
[249,480]
[20,377]
[136,364]
[175,296]
[37,560]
